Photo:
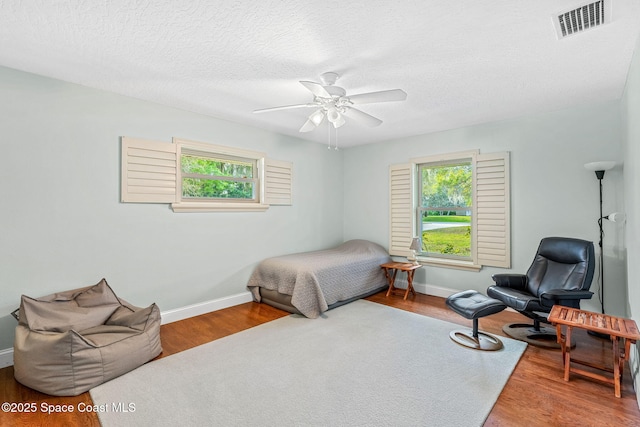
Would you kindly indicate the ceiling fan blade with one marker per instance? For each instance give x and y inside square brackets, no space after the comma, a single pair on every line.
[285,107]
[362,117]
[381,96]
[316,88]
[308,126]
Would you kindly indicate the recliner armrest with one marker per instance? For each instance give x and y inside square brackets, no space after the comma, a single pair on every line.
[515,281]
[563,297]
[564,294]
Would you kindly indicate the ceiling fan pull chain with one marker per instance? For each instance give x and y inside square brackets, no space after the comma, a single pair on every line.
[329,134]
[336,147]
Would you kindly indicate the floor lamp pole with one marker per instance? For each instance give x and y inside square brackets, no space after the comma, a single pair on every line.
[599,168]
[600,175]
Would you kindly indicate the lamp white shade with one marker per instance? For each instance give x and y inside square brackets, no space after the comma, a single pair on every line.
[600,166]
[415,244]
[339,121]
[333,115]
[317,117]
[616,217]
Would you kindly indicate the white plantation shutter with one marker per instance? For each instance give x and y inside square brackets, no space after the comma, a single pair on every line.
[278,178]
[493,230]
[402,212]
[148,171]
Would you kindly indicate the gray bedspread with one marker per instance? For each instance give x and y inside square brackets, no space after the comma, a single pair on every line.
[318,279]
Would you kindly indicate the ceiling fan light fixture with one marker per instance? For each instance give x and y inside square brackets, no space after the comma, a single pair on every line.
[339,122]
[317,117]
[333,115]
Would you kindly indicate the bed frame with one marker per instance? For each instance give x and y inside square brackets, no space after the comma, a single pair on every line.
[283,302]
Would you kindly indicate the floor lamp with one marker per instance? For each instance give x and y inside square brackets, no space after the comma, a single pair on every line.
[599,168]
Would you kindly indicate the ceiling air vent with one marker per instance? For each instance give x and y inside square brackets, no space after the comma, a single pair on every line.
[582,18]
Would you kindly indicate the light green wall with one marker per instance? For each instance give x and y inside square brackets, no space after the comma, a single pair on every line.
[63,225]
[631,151]
[552,194]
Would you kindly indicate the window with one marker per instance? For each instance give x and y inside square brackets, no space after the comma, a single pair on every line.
[458,204]
[208,176]
[445,209]
[199,177]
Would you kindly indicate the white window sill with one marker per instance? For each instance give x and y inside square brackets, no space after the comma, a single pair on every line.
[449,263]
[218,207]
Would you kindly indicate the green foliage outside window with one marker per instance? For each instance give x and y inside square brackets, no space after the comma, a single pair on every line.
[446,196]
[450,241]
[447,186]
[217,178]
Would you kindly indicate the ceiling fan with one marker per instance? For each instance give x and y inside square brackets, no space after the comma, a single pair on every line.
[333,103]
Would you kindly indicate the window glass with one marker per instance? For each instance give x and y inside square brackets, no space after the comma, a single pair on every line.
[218,177]
[445,209]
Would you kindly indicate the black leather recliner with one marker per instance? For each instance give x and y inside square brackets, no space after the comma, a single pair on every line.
[561,274]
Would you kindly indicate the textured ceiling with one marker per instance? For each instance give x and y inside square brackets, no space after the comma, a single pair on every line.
[460,62]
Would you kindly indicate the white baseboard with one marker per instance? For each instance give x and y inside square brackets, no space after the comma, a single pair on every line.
[423,288]
[193,310]
[6,355]
[436,291]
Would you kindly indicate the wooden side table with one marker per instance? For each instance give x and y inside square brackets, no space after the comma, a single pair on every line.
[391,270]
[623,333]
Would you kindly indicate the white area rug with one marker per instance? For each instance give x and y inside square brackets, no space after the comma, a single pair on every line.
[362,364]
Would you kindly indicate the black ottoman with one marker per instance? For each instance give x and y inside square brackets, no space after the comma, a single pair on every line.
[474,305]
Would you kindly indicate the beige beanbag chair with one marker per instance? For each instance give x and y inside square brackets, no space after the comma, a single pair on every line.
[72,341]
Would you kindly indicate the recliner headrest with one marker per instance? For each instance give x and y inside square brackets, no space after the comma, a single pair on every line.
[566,250]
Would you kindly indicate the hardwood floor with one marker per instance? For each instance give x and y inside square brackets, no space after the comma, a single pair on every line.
[536,393]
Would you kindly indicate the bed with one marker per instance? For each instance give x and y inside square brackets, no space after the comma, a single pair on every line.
[311,283]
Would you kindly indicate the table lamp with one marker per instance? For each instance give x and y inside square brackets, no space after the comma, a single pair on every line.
[415,246]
